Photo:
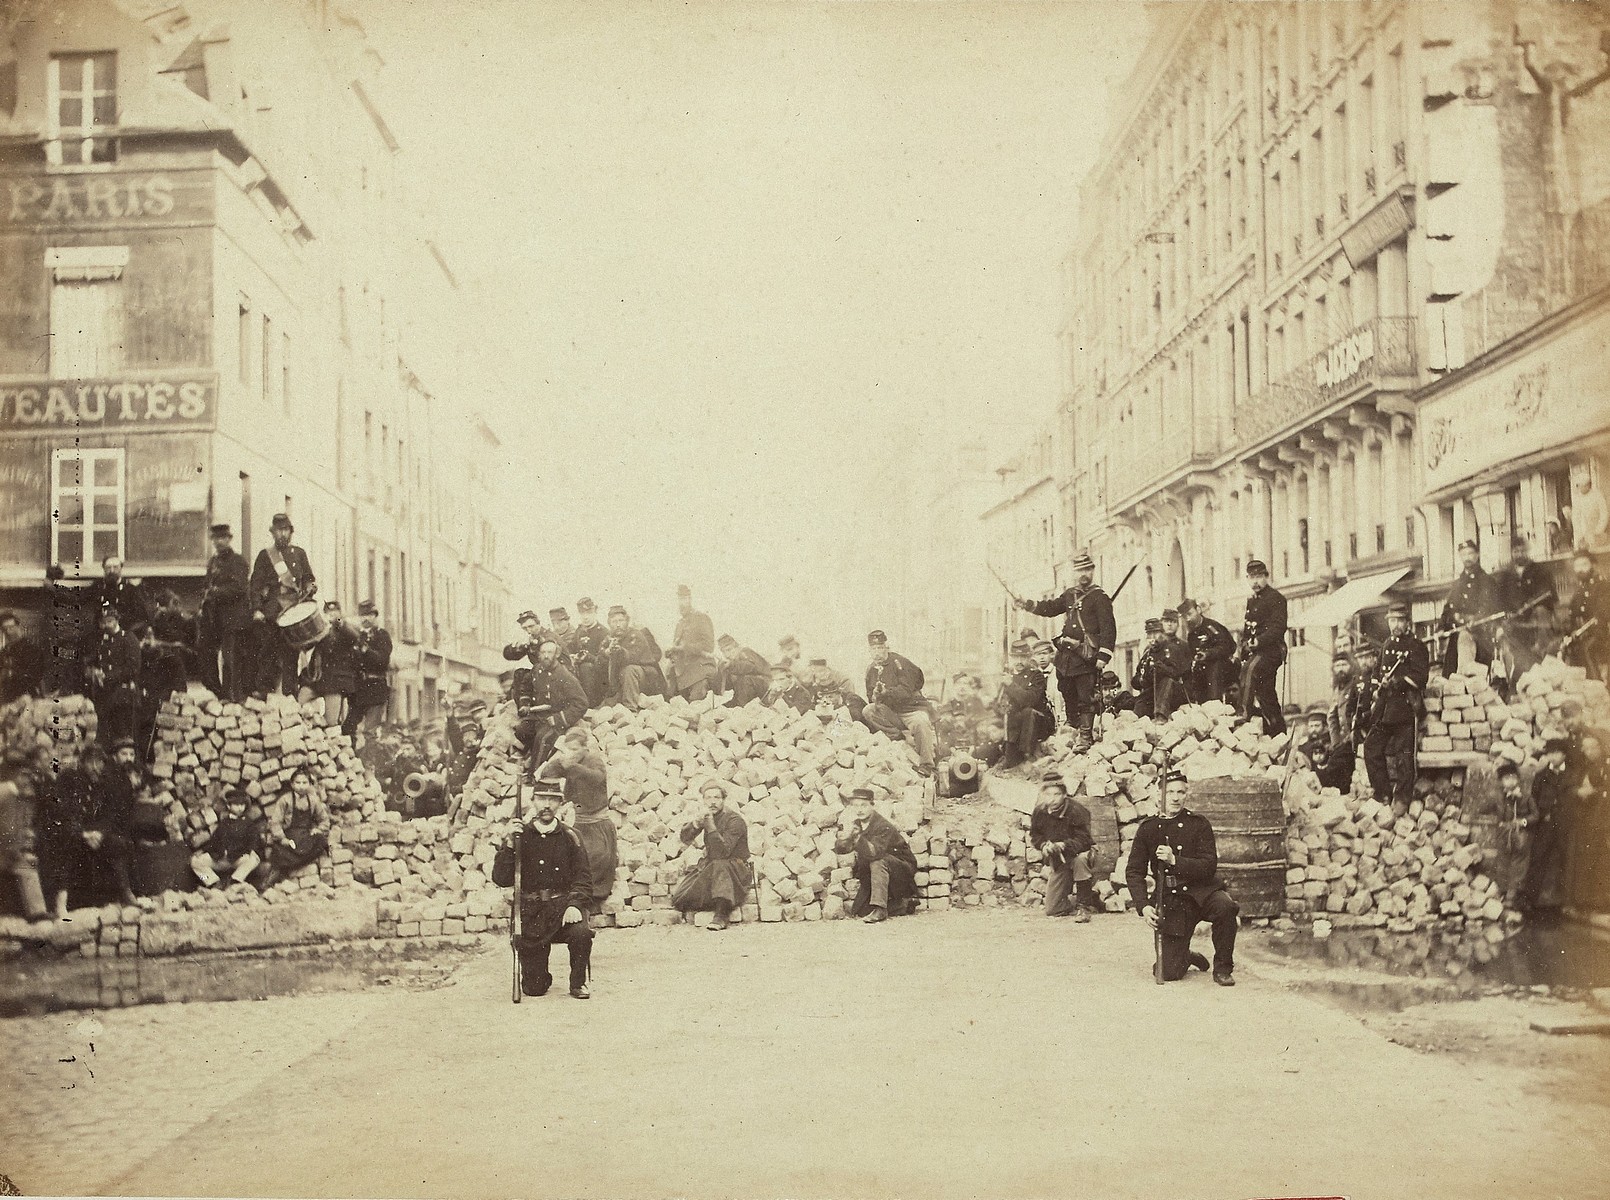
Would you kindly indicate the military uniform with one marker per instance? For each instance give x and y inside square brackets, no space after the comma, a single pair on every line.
[553,877]
[895,703]
[115,685]
[1263,649]
[591,667]
[549,701]
[281,579]
[1389,745]
[1527,635]
[374,675]
[1474,595]
[1028,715]
[1590,602]
[1186,893]
[746,675]
[692,656]
[1212,673]
[225,619]
[1084,648]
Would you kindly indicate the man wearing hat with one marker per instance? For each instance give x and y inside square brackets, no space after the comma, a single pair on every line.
[587,649]
[526,648]
[1472,598]
[114,678]
[1143,679]
[789,652]
[1389,744]
[1084,647]
[1262,650]
[742,671]
[1173,880]
[1586,616]
[786,688]
[555,888]
[331,674]
[885,869]
[563,632]
[23,660]
[1212,651]
[549,701]
[896,706]
[692,656]
[1060,830]
[226,616]
[1028,710]
[1542,889]
[374,668]
[1173,660]
[633,656]
[831,690]
[1527,594]
[133,613]
[722,880]
[1339,755]
[281,578]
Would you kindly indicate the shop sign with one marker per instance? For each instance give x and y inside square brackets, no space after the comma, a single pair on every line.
[1340,365]
[88,199]
[157,402]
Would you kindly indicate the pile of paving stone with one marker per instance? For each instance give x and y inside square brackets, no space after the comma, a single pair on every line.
[63,725]
[1551,700]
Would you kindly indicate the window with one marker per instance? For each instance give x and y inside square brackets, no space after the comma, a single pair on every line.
[245,339]
[268,343]
[83,102]
[285,372]
[86,310]
[86,505]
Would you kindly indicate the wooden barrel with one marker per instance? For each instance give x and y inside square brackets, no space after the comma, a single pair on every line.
[1249,826]
[164,867]
[1104,833]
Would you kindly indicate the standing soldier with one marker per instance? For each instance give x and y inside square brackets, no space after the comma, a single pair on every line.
[1340,756]
[281,578]
[133,614]
[114,675]
[1173,879]
[1172,668]
[693,650]
[332,669]
[1084,647]
[1527,594]
[1212,651]
[1262,650]
[591,667]
[374,668]
[1028,710]
[1586,616]
[1472,598]
[226,615]
[1389,746]
[1143,679]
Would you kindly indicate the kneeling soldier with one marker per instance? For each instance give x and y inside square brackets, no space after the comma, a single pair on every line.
[1060,829]
[554,890]
[722,880]
[1177,850]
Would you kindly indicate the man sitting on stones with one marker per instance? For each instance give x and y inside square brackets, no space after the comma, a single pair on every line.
[232,848]
[1115,697]
[549,700]
[587,792]
[554,886]
[896,706]
[743,672]
[1028,709]
[961,715]
[298,827]
[1173,879]
[633,657]
[787,689]
[720,883]
[885,868]
[832,692]
[1060,830]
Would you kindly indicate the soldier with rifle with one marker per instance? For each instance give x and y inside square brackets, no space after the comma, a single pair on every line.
[1084,647]
[1528,598]
[1472,599]
[1389,745]
[1173,880]
[1211,647]
[545,863]
[1262,650]
[1586,615]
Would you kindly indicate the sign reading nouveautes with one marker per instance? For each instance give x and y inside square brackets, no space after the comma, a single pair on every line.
[157,402]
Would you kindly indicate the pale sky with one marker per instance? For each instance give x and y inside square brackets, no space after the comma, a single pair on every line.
[730,260]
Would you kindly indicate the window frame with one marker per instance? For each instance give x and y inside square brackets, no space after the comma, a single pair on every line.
[87,490]
[87,91]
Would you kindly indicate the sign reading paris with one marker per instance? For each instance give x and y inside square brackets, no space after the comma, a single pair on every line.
[164,402]
[52,200]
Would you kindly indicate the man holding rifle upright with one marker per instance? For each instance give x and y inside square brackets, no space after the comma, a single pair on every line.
[1177,850]
[1084,646]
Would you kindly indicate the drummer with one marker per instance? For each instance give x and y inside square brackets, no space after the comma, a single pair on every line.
[281,579]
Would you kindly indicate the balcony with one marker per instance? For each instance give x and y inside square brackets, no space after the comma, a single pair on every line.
[1378,353]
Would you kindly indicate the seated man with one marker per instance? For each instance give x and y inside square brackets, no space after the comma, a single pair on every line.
[549,700]
[1028,710]
[743,672]
[787,689]
[1114,696]
[885,868]
[633,657]
[721,882]
[1311,750]
[233,847]
[1060,830]
[554,885]
[961,715]
[831,691]
[298,828]
[1177,851]
[896,706]
[586,779]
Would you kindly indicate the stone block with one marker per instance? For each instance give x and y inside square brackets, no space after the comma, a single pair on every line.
[239,927]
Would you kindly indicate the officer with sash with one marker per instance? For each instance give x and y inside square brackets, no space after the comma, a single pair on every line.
[281,579]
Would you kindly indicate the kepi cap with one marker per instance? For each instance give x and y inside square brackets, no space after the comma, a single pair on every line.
[1083,562]
[877,638]
[220,530]
[281,521]
[366,608]
[1256,566]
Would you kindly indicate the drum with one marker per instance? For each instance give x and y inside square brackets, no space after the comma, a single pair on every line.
[303,625]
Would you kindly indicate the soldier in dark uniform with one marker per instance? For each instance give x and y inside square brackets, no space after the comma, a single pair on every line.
[1084,647]
[1172,660]
[962,715]
[830,690]
[133,613]
[692,656]
[1542,889]
[896,706]
[1389,745]
[114,677]
[374,669]
[549,701]
[1586,615]
[1361,704]
[786,687]
[23,660]
[1262,650]
[719,883]
[633,656]
[1212,651]
[281,578]
[743,672]
[555,886]
[1527,594]
[1473,597]
[885,868]
[72,624]
[1340,756]
[527,647]
[590,665]
[1060,830]
[1028,710]
[1143,679]
[564,633]
[225,618]
[1115,697]
[1177,850]
[332,668]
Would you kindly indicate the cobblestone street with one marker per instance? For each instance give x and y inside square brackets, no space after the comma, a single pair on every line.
[951,1054]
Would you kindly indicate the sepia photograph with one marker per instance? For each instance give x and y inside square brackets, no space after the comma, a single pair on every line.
[494,492]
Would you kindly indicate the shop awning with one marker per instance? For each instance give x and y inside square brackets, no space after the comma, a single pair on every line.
[1338,607]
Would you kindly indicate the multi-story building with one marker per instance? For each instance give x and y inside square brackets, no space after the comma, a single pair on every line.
[214,297]
[1309,221]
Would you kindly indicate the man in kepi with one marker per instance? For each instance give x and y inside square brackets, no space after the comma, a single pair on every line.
[226,620]
[1211,648]
[1472,598]
[1028,710]
[719,883]
[554,886]
[1173,879]
[885,868]
[1262,650]
[374,669]
[1084,646]
[1060,830]
[693,650]
[896,706]
[281,578]
[1389,746]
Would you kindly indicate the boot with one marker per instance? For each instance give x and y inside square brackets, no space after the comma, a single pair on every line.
[1085,897]
[876,915]
[581,957]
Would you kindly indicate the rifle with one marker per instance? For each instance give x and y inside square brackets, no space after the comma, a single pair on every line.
[1165,880]
[514,899]
[1571,638]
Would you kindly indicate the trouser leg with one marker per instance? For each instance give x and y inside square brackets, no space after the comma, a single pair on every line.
[1057,889]
[1375,766]
[880,718]
[208,648]
[880,884]
[534,976]
[206,870]
[632,686]
[1222,913]
[921,728]
[578,939]
[1079,696]
[354,718]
